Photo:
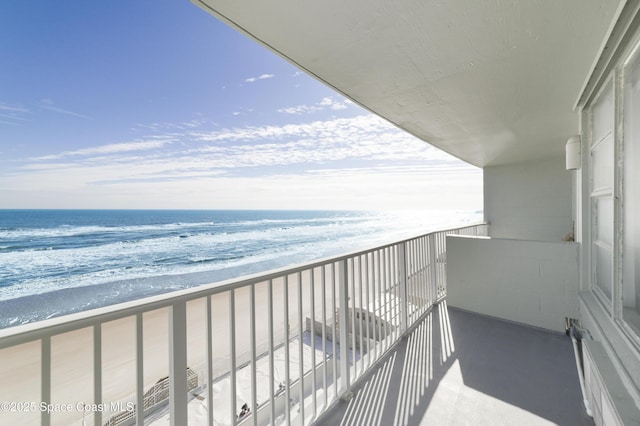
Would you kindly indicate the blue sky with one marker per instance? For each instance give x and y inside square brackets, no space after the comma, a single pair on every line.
[156,104]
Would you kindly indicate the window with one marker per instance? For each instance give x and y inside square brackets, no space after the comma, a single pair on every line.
[631,197]
[601,192]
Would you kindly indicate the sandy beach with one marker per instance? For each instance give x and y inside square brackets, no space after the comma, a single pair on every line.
[72,353]
[72,380]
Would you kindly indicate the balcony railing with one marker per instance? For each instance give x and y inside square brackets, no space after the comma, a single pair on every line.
[275,348]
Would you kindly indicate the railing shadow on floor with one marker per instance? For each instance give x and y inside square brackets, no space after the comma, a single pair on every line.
[456,367]
[401,387]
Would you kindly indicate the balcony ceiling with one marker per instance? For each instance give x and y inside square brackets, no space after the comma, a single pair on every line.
[491,82]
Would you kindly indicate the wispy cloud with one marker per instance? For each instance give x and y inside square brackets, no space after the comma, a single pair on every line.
[170,126]
[361,141]
[12,108]
[49,105]
[328,102]
[12,115]
[242,111]
[260,77]
[191,183]
[362,156]
[345,129]
[109,149]
[324,104]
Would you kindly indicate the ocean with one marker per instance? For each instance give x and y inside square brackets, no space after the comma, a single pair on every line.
[56,262]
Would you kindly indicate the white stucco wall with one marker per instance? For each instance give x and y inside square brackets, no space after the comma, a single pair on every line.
[530,282]
[529,201]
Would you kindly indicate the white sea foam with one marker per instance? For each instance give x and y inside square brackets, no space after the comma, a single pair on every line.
[68,230]
[180,254]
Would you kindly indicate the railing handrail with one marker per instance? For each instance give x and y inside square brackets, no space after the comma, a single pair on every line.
[49,327]
[394,283]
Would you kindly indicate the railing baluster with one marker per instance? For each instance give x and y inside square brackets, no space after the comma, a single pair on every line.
[436,264]
[386,287]
[411,285]
[352,298]
[368,311]
[397,279]
[393,286]
[374,320]
[383,295]
[419,275]
[252,327]
[345,389]
[443,276]
[45,378]
[433,268]
[97,372]
[300,349]
[380,307]
[232,356]
[387,300]
[139,371]
[324,337]
[444,263]
[333,330]
[178,364]
[416,293]
[312,330]
[422,282]
[392,300]
[287,366]
[439,259]
[424,275]
[272,408]
[361,311]
[209,363]
[411,280]
[370,303]
[428,269]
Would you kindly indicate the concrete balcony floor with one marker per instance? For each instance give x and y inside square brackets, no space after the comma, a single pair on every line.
[458,368]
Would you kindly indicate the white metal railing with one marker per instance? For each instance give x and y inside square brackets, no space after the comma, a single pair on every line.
[155,396]
[273,348]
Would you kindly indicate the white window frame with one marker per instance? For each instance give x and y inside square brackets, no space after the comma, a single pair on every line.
[631,56]
[601,193]
[615,81]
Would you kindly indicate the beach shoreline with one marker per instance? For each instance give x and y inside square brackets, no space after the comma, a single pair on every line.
[72,353]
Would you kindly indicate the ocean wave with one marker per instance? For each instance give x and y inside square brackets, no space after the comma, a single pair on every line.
[121,263]
[26,308]
[70,230]
[66,230]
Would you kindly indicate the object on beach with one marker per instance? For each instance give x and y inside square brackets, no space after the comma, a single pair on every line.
[244,411]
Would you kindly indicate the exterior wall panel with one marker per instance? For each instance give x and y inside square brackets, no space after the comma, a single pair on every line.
[531,201]
[530,282]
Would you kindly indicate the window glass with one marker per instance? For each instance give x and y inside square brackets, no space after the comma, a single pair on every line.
[602,160]
[602,163]
[603,115]
[604,221]
[603,271]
